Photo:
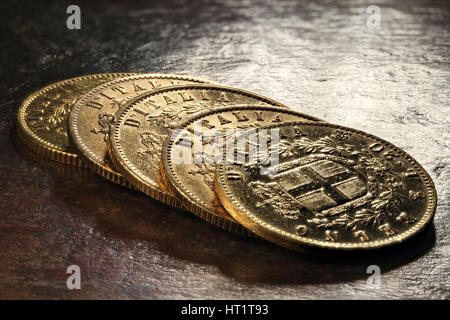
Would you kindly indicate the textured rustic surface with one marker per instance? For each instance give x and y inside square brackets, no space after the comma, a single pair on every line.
[319,58]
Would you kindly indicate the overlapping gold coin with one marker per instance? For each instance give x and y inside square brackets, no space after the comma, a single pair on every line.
[192,182]
[94,113]
[323,185]
[42,117]
[143,124]
[333,187]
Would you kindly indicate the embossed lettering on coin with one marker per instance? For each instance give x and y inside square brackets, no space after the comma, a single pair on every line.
[43,116]
[334,187]
[94,113]
[193,178]
[143,124]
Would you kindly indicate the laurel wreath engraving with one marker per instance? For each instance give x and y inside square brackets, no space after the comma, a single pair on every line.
[375,212]
[60,105]
[56,119]
[271,194]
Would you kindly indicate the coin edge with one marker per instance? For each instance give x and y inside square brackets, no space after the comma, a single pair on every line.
[272,234]
[39,145]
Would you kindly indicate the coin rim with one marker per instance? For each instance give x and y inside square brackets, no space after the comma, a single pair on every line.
[186,198]
[291,241]
[85,153]
[115,151]
[37,144]
[57,167]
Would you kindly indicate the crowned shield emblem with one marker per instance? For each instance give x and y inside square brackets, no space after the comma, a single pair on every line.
[323,184]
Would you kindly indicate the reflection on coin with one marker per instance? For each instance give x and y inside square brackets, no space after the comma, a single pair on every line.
[193,181]
[335,187]
[143,124]
[43,116]
[93,114]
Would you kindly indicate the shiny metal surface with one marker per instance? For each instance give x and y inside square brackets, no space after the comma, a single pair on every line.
[93,114]
[192,182]
[318,57]
[143,123]
[334,187]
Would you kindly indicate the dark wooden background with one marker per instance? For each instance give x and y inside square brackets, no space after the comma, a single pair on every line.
[318,57]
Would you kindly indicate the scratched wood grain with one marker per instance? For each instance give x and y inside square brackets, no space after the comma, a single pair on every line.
[318,57]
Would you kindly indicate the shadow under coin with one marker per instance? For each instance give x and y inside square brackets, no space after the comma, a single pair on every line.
[127,214]
[184,236]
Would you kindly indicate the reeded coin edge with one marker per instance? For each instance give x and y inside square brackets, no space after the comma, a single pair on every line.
[271,233]
[138,183]
[57,167]
[39,145]
[187,199]
[212,219]
[89,157]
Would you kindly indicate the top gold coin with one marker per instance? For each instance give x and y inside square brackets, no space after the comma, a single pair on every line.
[333,187]
[143,124]
[93,114]
[42,118]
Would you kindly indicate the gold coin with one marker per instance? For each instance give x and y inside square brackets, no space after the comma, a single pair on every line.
[42,117]
[192,178]
[334,187]
[143,124]
[93,114]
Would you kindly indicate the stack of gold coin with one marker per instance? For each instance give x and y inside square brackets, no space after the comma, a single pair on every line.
[238,160]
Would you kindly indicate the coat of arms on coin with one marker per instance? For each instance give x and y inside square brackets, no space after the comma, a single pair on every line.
[334,187]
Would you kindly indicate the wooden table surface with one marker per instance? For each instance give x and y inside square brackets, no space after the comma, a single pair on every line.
[317,57]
